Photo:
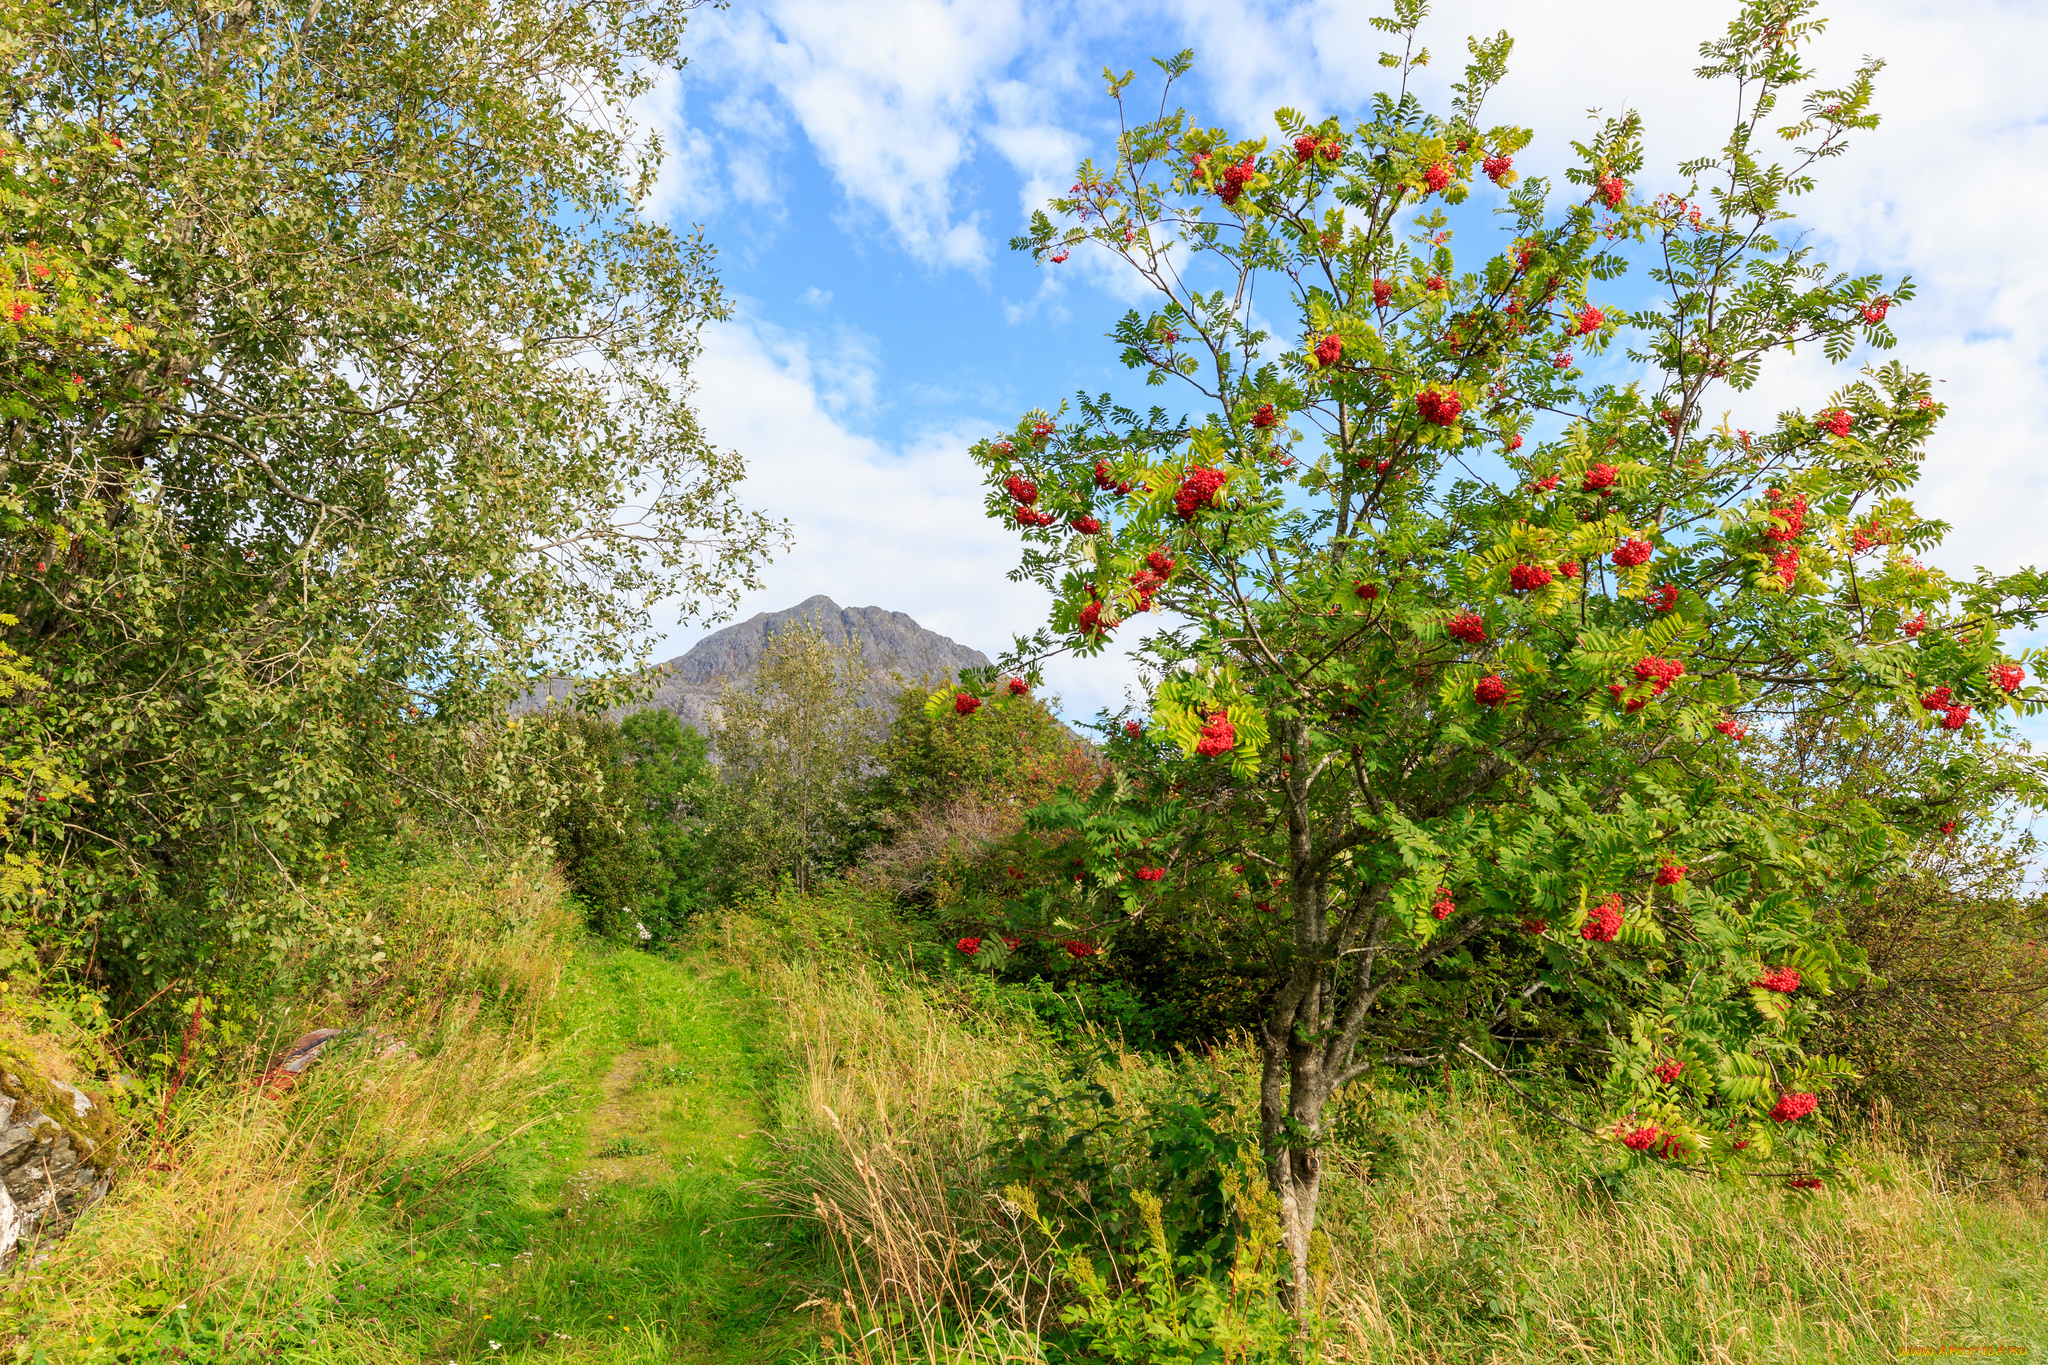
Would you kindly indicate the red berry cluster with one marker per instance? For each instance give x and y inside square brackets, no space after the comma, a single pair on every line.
[1569,568]
[1599,478]
[1151,874]
[1589,321]
[1793,1107]
[1087,526]
[1655,1141]
[969,946]
[1076,948]
[1789,521]
[1670,873]
[1103,479]
[1561,361]
[1235,178]
[1916,625]
[1040,430]
[1783,980]
[1019,688]
[1021,488]
[1444,905]
[1835,421]
[1436,176]
[1197,490]
[1497,166]
[1329,350]
[1787,565]
[1435,284]
[1547,483]
[966,705]
[1528,577]
[1659,673]
[1668,1070]
[1148,584]
[1092,622]
[1604,922]
[1954,715]
[1632,552]
[1467,627]
[1664,599]
[1874,311]
[1732,728]
[2008,677]
[1218,736]
[1515,443]
[1803,1182]
[1612,188]
[1382,291]
[1538,927]
[1307,149]
[1491,690]
[1027,517]
[1439,406]
[1265,416]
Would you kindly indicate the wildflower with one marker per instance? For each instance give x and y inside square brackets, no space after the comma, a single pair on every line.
[1021,488]
[1151,874]
[2008,677]
[1599,478]
[1664,599]
[1916,625]
[1568,567]
[1955,718]
[1329,350]
[1197,490]
[1218,736]
[1783,980]
[965,704]
[1134,730]
[1589,321]
[1545,484]
[1467,627]
[1497,167]
[1368,591]
[1604,921]
[969,946]
[1265,416]
[1835,421]
[1787,565]
[1793,1107]
[1087,526]
[1632,552]
[1381,292]
[1444,905]
[1436,177]
[1611,188]
[1491,690]
[1668,1070]
[1528,577]
[1670,873]
[1019,688]
[1439,406]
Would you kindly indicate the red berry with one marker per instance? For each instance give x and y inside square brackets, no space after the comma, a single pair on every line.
[1632,552]
[1799,1182]
[1514,442]
[1538,927]
[1160,562]
[1787,565]
[1670,874]
[1235,178]
[1668,1071]
[1561,361]
[1059,256]
[1040,430]
[1497,167]
[1369,591]
[1589,321]
[1021,488]
[1329,350]
[1612,189]
[1949,827]
[1197,491]
[1134,730]
[1436,177]
[1019,688]
[1547,483]
[1835,421]
[1087,526]
[1444,905]
[1076,948]
[1435,284]
[1600,478]
[1874,311]
[1955,718]
[1789,522]
[1439,406]
[1265,416]
[1659,673]
[1304,149]
[1937,700]
[1664,599]
[1604,922]
[1528,577]
[966,705]
[1641,1140]
[1381,292]
[1916,625]
[1783,980]
[1569,568]
[1102,476]
[2008,677]
[1091,621]
[1218,736]
[1467,627]
[1791,1108]
[1491,690]
[1151,874]
[969,946]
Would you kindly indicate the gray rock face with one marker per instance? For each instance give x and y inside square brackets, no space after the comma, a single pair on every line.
[895,648]
[52,1167]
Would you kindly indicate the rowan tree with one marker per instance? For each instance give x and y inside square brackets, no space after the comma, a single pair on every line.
[1449,639]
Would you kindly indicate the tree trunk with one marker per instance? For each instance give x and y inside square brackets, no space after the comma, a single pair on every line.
[1293,1091]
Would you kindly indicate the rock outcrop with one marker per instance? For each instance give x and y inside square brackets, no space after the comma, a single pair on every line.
[57,1147]
[895,648]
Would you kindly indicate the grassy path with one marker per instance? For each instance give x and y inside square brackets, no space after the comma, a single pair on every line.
[651,1247]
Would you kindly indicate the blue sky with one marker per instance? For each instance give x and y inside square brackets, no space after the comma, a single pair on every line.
[862,167]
